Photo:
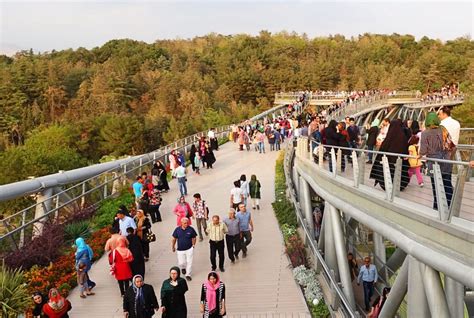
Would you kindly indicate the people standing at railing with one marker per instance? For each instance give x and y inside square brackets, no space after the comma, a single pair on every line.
[341,128]
[138,190]
[213,139]
[394,142]
[354,133]
[435,144]
[383,132]
[163,177]
[372,134]
[333,138]
[452,125]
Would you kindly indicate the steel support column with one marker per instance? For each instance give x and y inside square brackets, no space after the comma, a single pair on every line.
[434,292]
[454,292]
[329,248]
[417,303]
[44,198]
[395,261]
[341,254]
[306,204]
[380,255]
[397,293]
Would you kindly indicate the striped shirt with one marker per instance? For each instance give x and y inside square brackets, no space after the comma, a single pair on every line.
[216,232]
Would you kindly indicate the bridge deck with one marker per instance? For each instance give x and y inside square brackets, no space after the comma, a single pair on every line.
[261,285]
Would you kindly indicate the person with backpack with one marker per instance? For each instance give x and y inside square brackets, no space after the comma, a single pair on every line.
[415,163]
[201,214]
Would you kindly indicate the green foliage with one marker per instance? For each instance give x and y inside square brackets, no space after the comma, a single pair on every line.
[14,298]
[283,208]
[320,310]
[108,209]
[77,229]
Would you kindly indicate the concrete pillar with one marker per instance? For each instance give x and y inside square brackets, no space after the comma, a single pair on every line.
[341,254]
[306,205]
[397,293]
[417,303]
[44,206]
[329,248]
[454,292]
[434,292]
[395,261]
[380,255]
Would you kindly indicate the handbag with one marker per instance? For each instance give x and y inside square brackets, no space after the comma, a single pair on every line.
[150,236]
[112,266]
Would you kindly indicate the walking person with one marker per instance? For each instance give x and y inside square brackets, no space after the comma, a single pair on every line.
[232,237]
[143,228]
[246,228]
[213,297]
[180,173]
[138,190]
[85,255]
[82,279]
[182,210]
[173,301]
[415,162]
[185,236]
[163,177]
[217,231]
[140,299]
[120,259]
[192,155]
[209,157]
[135,246]
[201,213]
[236,195]
[378,303]
[368,275]
[244,186]
[197,163]
[372,134]
[154,203]
[254,191]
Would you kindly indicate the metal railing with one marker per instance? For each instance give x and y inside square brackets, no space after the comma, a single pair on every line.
[22,225]
[350,163]
[328,274]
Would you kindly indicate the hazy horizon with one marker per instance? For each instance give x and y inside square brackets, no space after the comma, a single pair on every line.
[58,25]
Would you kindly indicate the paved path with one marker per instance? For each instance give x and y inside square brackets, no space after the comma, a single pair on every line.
[261,285]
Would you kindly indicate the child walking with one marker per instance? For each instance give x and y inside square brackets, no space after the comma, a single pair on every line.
[415,163]
[197,163]
[82,279]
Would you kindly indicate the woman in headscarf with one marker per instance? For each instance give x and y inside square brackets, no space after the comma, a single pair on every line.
[372,137]
[432,146]
[244,186]
[85,255]
[394,142]
[254,187]
[162,175]
[57,306]
[192,156]
[136,248]
[182,210]
[120,259]
[173,301]
[39,301]
[209,157]
[140,299]
[333,138]
[173,158]
[213,297]
[143,227]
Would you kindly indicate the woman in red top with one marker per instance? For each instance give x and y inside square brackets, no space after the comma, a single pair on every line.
[182,210]
[120,259]
[57,306]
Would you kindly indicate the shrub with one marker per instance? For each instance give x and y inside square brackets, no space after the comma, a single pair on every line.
[307,278]
[81,214]
[14,297]
[108,209]
[296,251]
[284,210]
[41,250]
[78,229]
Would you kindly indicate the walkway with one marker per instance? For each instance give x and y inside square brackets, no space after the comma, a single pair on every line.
[261,285]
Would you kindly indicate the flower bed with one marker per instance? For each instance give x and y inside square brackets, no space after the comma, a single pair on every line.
[294,246]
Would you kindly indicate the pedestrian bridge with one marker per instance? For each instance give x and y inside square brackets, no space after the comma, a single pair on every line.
[432,264]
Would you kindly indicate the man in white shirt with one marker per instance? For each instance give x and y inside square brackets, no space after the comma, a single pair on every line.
[125,222]
[452,125]
[236,195]
[212,139]
[180,174]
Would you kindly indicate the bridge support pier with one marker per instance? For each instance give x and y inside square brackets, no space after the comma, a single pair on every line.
[455,297]
[329,248]
[397,293]
[417,303]
[305,201]
[45,198]
[380,255]
[434,292]
[395,261]
[341,255]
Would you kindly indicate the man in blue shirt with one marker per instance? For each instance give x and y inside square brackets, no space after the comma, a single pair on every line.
[138,190]
[368,274]
[246,229]
[186,238]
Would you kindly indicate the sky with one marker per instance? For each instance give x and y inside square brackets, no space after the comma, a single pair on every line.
[47,25]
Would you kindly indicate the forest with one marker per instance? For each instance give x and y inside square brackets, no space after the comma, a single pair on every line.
[64,109]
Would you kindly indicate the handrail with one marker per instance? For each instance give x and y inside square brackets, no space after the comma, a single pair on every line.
[290,152]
